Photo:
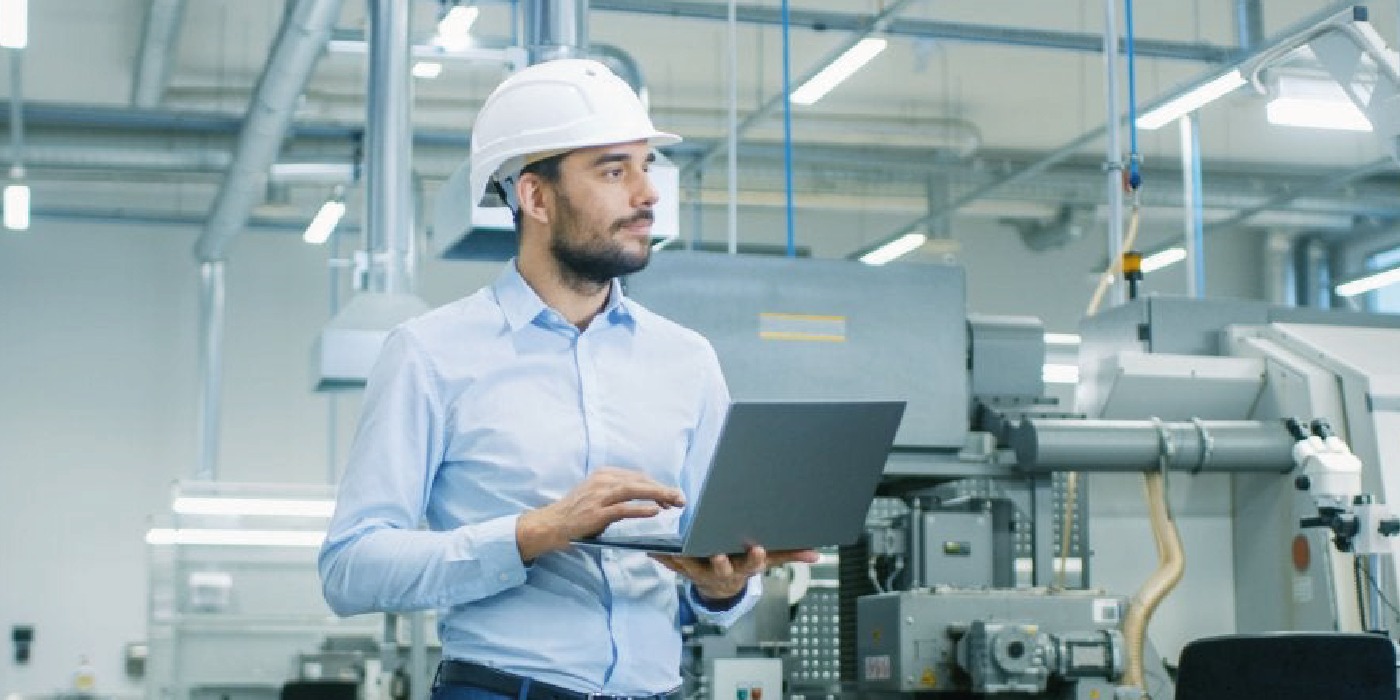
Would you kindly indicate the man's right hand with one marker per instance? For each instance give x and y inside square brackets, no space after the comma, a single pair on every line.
[605,497]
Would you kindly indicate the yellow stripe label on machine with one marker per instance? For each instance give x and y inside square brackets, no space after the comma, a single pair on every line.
[802,327]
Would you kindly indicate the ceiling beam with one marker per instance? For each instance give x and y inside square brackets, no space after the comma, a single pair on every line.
[919,28]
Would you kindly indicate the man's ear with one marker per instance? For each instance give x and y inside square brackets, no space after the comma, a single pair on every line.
[533,193]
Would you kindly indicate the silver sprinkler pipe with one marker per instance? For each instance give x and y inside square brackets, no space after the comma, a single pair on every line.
[389,149]
[1113,165]
[1192,206]
[16,113]
[211,359]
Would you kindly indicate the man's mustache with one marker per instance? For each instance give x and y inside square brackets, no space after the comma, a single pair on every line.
[643,215]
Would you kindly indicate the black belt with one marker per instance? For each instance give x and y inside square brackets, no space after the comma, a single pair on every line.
[454,672]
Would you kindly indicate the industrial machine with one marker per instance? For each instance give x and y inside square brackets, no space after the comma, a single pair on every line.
[974,579]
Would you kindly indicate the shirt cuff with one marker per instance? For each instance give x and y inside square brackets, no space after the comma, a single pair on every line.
[492,547]
[724,618]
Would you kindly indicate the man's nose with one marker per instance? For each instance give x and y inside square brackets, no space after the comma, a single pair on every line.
[646,194]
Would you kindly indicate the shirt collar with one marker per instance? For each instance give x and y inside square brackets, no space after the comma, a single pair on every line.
[522,306]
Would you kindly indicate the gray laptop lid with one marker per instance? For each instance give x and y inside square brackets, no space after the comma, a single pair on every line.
[792,475]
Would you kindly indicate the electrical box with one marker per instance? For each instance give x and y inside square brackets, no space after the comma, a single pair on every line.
[746,679]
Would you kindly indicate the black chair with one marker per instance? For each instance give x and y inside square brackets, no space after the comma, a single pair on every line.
[1288,666]
[321,690]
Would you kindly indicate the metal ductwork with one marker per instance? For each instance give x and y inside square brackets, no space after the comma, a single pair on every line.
[555,29]
[299,44]
[161,35]
[349,344]
[302,38]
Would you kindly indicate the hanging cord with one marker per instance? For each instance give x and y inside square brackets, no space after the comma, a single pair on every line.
[1365,570]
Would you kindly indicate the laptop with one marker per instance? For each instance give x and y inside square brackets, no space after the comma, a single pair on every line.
[785,475]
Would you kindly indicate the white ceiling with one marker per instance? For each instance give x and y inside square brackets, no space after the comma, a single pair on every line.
[1021,101]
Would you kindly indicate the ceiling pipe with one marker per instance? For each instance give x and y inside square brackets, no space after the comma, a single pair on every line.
[389,150]
[555,29]
[160,37]
[349,344]
[294,54]
[918,29]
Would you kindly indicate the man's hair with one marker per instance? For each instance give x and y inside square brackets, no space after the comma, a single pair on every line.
[547,170]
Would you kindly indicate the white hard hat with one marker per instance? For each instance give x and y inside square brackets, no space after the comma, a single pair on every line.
[550,108]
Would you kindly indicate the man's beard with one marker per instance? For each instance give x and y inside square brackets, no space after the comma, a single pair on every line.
[599,259]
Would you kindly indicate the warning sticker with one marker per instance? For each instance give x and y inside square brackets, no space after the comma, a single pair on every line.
[877,668]
[1302,589]
[1106,611]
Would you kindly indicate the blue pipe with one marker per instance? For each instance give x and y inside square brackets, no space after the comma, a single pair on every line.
[1134,176]
[787,132]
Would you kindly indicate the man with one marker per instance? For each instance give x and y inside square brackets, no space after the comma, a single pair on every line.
[541,409]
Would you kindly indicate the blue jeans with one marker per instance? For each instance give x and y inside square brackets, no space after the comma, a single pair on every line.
[465,692]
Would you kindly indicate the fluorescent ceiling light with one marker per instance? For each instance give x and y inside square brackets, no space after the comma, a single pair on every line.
[1062,339]
[896,248]
[843,67]
[427,69]
[190,505]
[1060,374]
[1369,283]
[1191,101]
[1318,103]
[325,222]
[1157,261]
[239,538]
[1317,114]
[454,31]
[14,23]
[17,207]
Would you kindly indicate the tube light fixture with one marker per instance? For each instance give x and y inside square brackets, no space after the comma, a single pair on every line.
[1316,114]
[1062,339]
[304,508]
[240,538]
[1060,374]
[1369,283]
[1161,259]
[325,221]
[454,30]
[843,67]
[1318,103]
[1191,101]
[427,69]
[14,23]
[17,206]
[894,249]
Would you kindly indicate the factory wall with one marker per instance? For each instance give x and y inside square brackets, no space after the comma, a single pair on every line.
[99,379]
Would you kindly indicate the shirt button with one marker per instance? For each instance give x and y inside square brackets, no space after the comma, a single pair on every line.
[505,577]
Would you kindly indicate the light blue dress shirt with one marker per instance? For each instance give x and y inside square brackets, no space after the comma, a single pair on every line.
[494,405]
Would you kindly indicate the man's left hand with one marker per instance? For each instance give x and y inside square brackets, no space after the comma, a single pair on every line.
[722,577]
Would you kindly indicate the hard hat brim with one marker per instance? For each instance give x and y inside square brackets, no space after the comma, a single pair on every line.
[452,210]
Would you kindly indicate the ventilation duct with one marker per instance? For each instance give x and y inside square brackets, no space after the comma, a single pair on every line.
[349,345]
